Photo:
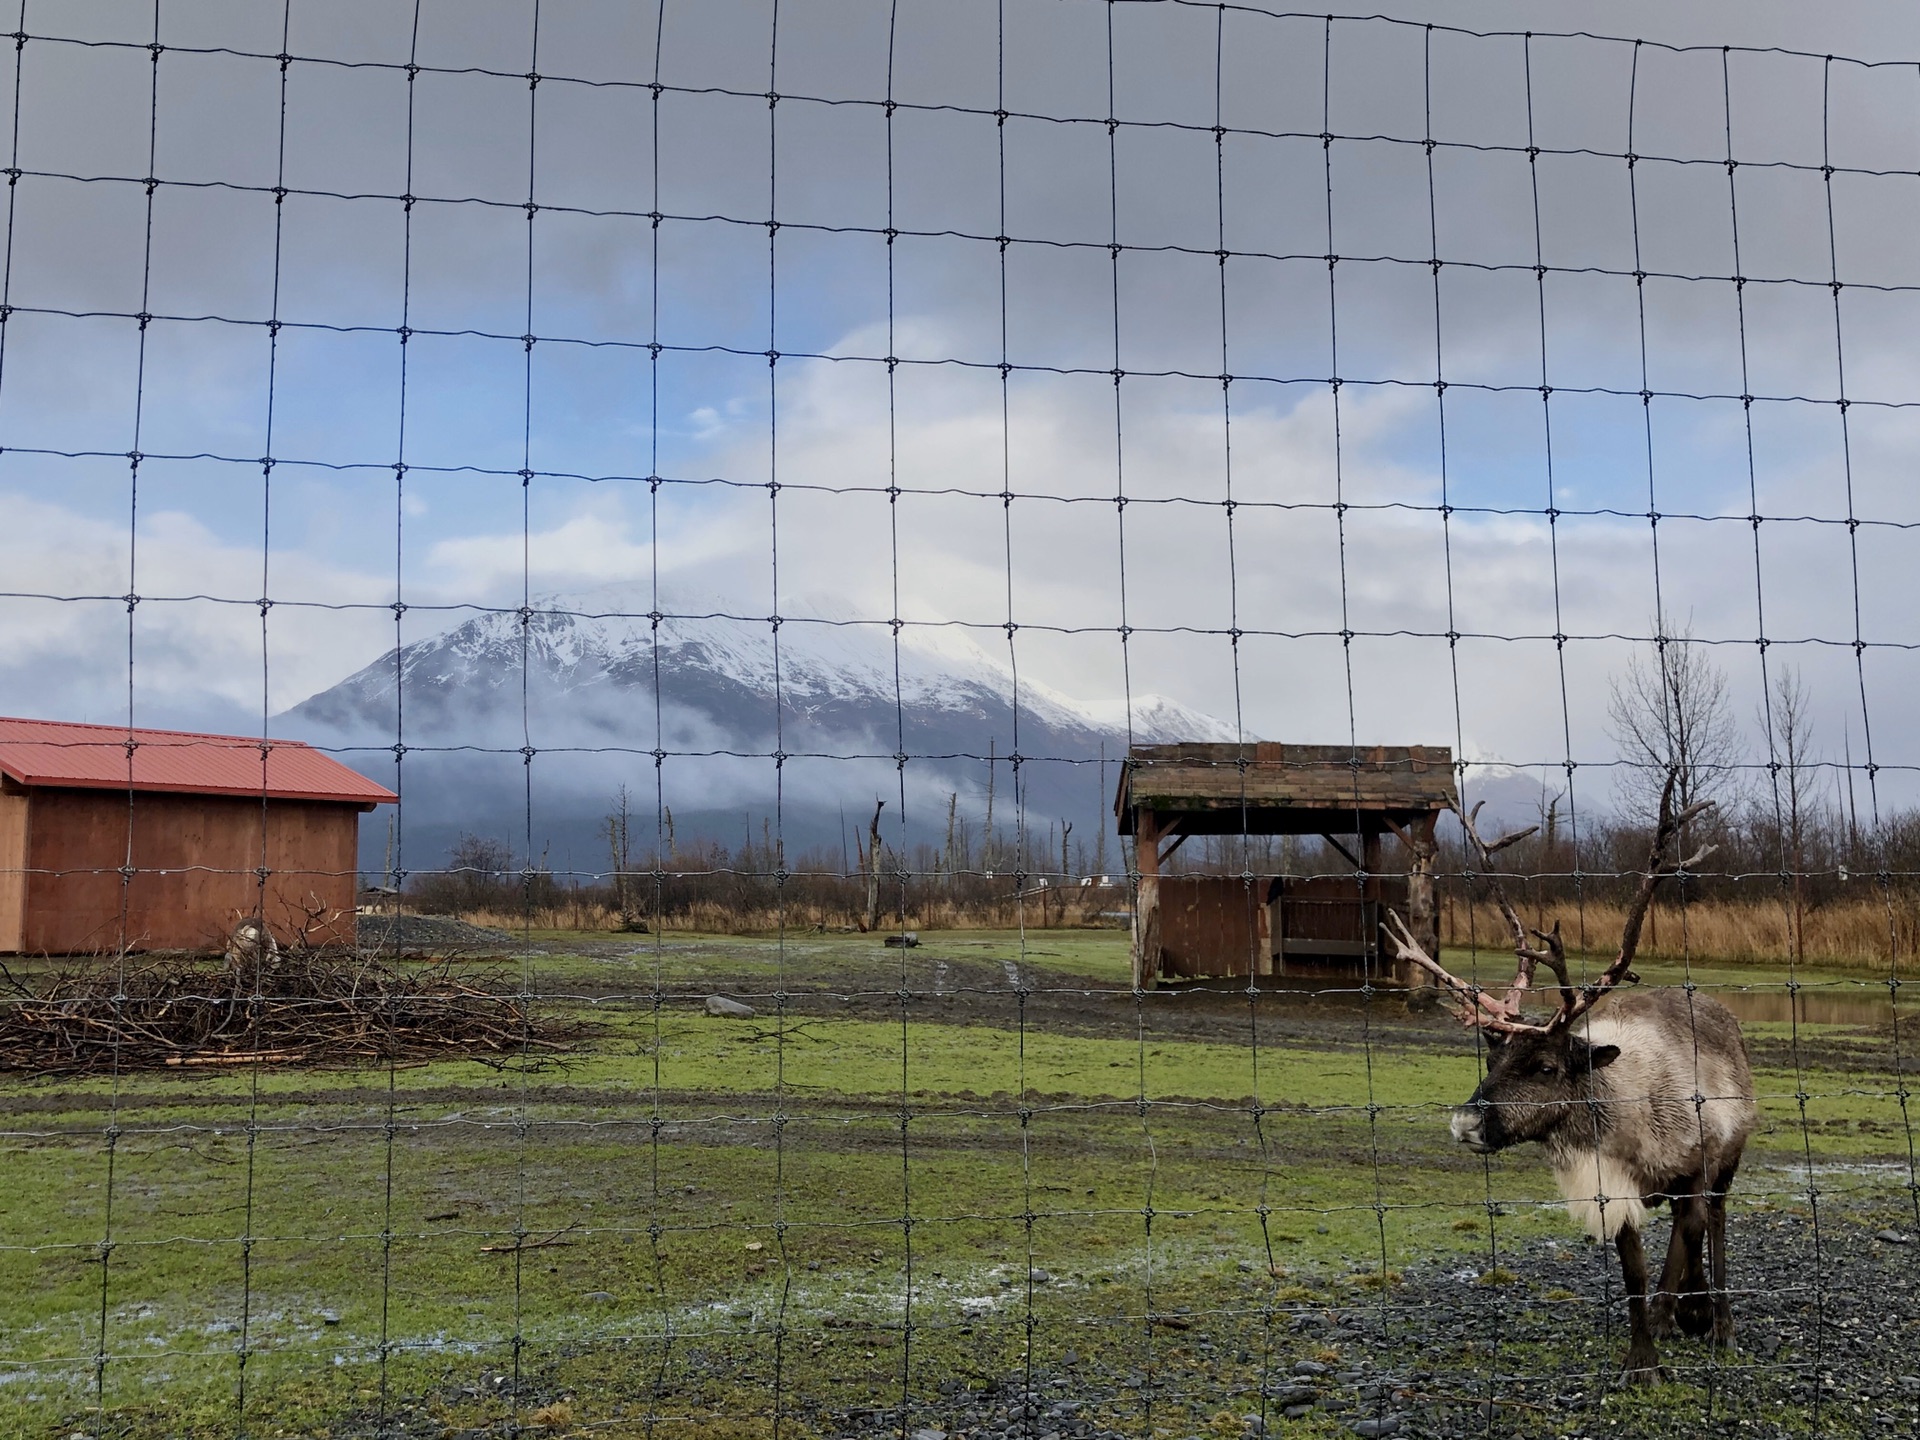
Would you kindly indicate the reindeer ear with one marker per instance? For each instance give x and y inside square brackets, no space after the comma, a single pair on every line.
[1601,1056]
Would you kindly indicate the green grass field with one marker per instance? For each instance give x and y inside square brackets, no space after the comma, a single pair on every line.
[685,1203]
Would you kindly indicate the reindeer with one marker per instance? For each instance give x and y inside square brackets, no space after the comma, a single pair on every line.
[1647,1102]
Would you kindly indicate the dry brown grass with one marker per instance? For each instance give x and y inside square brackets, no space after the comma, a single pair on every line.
[1854,932]
[714,918]
[1866,931]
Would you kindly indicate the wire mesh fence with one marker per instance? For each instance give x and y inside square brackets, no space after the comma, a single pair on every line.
[928,595]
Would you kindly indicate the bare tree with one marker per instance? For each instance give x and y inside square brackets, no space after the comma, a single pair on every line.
[617,827]
[1549,827]
[1670,715]
[1792,761]
[477,869]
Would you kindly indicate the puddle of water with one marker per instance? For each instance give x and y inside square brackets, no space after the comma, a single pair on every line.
[1891,1169]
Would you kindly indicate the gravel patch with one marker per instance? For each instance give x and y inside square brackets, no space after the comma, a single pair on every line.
[1828,1345]
[421,935]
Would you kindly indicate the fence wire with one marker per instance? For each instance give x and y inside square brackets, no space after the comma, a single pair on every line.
[1003,1181]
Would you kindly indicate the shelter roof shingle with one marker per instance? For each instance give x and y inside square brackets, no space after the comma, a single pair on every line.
[1260,785]
[64,755]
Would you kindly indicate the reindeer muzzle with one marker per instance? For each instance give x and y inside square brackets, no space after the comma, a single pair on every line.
[1470,1128]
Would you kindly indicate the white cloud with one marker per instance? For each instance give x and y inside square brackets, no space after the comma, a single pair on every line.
[195,644]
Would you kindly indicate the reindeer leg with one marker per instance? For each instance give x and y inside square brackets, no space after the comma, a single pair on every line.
[1717,1261]
[1642,1365]
[1675,1273]
[1690,1286]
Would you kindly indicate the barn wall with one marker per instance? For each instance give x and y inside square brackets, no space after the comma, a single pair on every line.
[194,859]
[13,869]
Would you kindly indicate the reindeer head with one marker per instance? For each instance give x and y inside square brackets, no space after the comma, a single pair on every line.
[1533,1083]
[1538,1070]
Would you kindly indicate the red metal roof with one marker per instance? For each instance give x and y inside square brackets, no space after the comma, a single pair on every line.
[59,754]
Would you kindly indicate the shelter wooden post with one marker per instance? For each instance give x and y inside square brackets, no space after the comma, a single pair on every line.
[1371,892]
[1146,906]
[1423,916]
[1370,860]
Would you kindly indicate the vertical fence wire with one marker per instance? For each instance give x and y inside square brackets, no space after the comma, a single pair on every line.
[124,936]
[663,850]
[1492,1207]
[1259,964]
[1369,839]
[1150,1381]
[257,938]
[526,1124]
[904,977]
[395,860]
[781,998]
[992,859]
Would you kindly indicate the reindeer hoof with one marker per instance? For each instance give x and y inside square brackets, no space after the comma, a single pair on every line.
[1660,1318]
[1695,1315]
[1642,1368]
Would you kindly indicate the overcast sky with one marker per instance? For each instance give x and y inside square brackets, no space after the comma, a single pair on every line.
[1326,535]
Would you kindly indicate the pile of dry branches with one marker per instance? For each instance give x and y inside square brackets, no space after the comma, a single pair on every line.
[320,1007]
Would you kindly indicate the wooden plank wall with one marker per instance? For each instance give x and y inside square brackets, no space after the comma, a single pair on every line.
[1211,925]
[194,858]
[13,870]
[1333,908]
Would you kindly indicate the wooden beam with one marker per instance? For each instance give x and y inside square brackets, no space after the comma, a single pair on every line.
[1352,859]
[1179,839]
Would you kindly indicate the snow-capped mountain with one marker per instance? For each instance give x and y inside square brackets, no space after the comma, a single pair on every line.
[594,689]
[1513,797]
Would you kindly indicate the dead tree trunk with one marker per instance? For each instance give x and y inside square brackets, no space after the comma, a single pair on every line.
[620,853]
[1066,829]
[953,809]
[1423,916]
[873,868]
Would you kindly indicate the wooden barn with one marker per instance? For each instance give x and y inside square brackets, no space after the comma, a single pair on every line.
[116,838]
[1325,926]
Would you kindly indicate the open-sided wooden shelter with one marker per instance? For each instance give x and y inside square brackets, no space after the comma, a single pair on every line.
[1197,926]
[115,838]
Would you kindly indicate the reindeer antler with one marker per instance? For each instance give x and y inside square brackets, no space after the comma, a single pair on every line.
[1555,954]
[1479,1009]
[1659,866]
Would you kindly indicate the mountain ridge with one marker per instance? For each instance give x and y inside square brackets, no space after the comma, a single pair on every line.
[798,719]
[525,732]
